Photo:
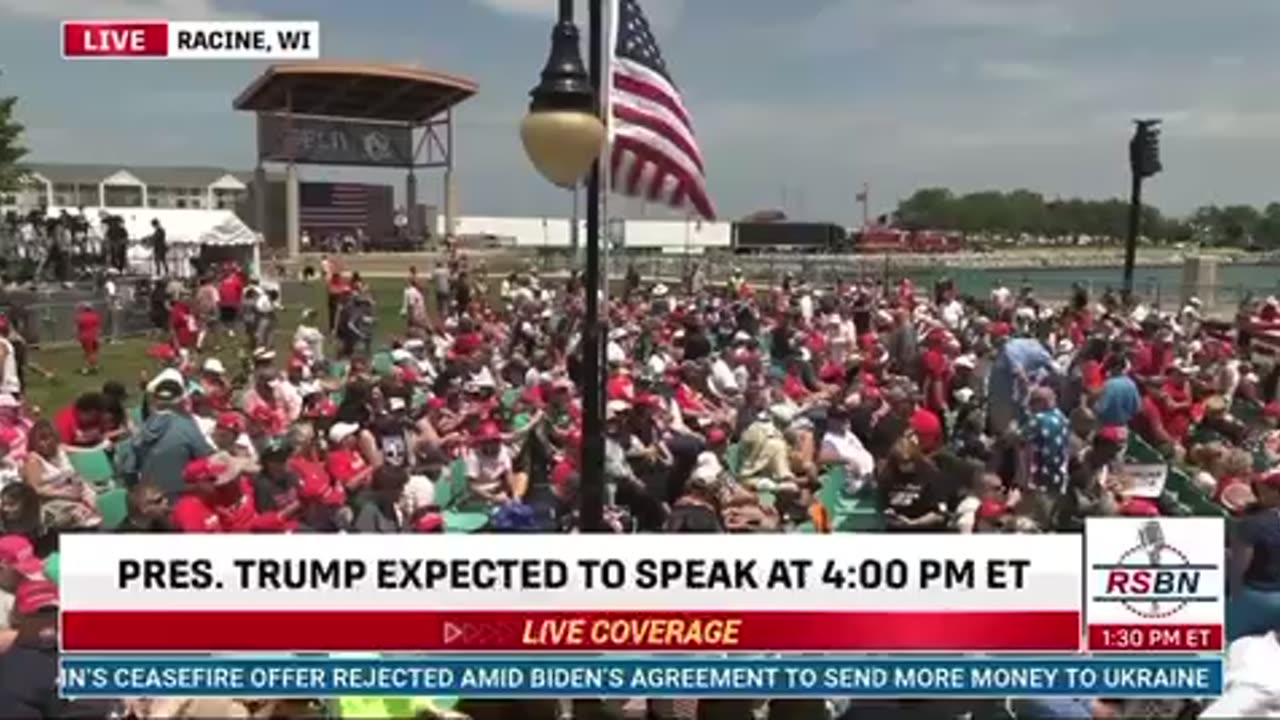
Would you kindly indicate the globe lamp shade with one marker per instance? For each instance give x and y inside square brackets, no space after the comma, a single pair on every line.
[562,144]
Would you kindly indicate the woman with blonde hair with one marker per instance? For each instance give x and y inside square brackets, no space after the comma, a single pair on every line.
[66,500]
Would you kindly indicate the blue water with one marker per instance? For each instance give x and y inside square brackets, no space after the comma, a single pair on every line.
[1153,283]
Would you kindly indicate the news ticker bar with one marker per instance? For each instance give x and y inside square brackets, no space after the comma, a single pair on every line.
[196,40]
[525,676]
[569,631]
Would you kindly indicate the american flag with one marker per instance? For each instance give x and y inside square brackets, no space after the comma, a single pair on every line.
[334,205]
[655,155]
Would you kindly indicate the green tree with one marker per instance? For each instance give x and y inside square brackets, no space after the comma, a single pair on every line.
[11,149]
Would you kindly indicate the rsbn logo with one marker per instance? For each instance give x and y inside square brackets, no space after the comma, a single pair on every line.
[1153,579]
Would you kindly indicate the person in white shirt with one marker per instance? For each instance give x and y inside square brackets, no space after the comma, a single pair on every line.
[9,381]
[841,447]
[309,334]
[723,381]
[806,304]
[1001,296]
[413,306]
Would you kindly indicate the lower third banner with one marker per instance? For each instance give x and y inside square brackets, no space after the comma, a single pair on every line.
[526,676]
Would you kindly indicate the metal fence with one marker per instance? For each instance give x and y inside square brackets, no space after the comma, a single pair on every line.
[49,318]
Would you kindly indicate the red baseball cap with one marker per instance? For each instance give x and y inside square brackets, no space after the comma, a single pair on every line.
[1140,507]
[716,436]
[990,509]
[1113,433]
[233,421]
[35,595]
[1000,329]
[9,436]
[487,432]
[430,522]
[161,351]
[205,470]
[16,553]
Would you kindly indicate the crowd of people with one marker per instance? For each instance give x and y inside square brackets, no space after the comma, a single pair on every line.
[876,407]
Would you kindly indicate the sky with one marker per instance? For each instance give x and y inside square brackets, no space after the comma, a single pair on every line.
[796,104]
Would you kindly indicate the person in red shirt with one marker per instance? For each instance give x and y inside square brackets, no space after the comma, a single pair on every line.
[937,371]
[308,463]
[213,381]
[793,383]
[1153,359]
[265,407]
[1175,402]
[619,385]
[220,498]
[344,462]
[338,287]
[230,293]
[89,332]
[183,326]
[81,423]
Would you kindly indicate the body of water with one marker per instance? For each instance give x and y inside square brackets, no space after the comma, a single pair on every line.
[1164,284]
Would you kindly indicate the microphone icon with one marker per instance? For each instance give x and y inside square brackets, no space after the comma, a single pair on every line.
[1151,538]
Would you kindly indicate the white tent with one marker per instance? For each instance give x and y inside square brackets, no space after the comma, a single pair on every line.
[189,234]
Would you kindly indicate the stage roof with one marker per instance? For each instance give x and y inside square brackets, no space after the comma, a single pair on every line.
[355,91]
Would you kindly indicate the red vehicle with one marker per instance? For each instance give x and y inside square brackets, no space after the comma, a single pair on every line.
[886,239]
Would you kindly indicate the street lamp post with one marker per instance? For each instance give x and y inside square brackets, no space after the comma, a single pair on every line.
[1144,162]
[563,135]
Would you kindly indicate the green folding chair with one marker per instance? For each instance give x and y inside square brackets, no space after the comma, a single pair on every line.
[53,567]
[1140,452]
[733,458]
[451,493]
[114,507]
[94,465]
[381,363]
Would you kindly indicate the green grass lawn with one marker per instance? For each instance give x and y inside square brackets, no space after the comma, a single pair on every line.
[126,361]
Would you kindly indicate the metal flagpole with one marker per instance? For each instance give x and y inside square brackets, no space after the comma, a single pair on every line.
[610,24]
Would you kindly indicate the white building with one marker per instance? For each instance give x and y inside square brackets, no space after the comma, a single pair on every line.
[126,186]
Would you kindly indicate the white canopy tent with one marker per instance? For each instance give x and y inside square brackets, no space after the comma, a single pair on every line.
[189,233]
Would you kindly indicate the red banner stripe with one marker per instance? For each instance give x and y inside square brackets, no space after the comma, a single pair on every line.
[449,630]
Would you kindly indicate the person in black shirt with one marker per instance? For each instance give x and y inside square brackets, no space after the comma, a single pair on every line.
[275,487]
[893,425]
[148,510]
[159,249]
[117,238]
[20,515]
[780,341]
[911,490]
[696,344]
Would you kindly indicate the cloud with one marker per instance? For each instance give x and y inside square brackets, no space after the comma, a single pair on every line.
[141,9]
[662,13]
[1034,16]
[1014,70]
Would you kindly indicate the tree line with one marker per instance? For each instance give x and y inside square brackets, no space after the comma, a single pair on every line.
[1018,212]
